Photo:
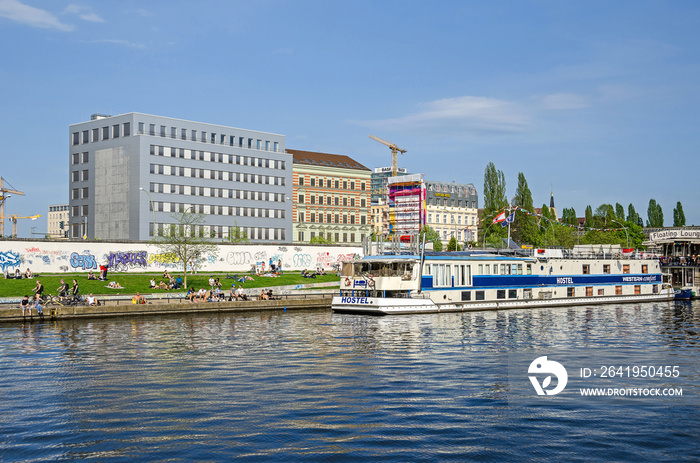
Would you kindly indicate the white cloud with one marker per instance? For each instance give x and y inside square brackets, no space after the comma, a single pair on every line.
[125,43]
[24,14]
[470,113]
[85,13]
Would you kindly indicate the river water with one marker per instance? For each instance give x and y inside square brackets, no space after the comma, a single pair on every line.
[317,386]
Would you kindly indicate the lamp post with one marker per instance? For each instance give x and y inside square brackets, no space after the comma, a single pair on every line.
[152,209]
[626,234]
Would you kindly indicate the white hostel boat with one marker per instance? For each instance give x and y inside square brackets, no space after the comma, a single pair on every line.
[480,280]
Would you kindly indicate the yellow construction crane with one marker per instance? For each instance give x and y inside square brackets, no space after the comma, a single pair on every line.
[14,218]
[4,194]
[395,150]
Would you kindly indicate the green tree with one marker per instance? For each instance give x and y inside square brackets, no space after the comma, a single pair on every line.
[678,215]
[620,212]
[495,200]
[589,216]
[524,228]
[655,215]
[186,239]
[431,236]
[545,214]
[320,239]
[237,235]
[452,244]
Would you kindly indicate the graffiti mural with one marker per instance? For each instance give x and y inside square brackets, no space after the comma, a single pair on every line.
[302,260]
[9,259]
[83,261]
[123,261]
[165,259]
[239,258]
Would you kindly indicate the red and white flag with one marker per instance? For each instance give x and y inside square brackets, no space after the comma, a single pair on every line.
[499,218]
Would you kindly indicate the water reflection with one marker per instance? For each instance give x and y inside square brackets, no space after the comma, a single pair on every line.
[312,385]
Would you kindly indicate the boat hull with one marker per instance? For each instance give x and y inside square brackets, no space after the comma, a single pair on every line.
[403,306]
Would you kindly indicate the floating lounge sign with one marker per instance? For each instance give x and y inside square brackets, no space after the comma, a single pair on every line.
[675,234]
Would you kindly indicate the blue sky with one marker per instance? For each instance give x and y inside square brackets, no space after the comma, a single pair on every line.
[596,101]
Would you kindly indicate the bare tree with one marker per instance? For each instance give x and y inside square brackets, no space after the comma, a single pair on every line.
[186,239]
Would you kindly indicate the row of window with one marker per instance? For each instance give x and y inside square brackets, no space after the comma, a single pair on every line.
[80,158]
[335,184]
[451,189]
[586,268]
[224,232]
[216,192]
[442,274]
[211,156]
[331,201]
[216,175]
[102,133]
[336,238]
[480,295]
[450,202]
[208,209]
[467,218]
[328,218]
[211,137]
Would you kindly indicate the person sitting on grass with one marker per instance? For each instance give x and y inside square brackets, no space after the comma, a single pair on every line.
[28,274]
[91,275]
[138,299]
[166,274]
[163,285]
[178,283]
[153,284]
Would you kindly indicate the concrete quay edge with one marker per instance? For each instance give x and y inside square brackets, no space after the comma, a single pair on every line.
[14,314]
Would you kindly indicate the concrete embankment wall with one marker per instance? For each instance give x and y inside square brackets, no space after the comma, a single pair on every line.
[14,314]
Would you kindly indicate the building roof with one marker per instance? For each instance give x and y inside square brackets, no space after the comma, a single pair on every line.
[313,158]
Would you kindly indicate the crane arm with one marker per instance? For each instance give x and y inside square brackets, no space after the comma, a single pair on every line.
[384,142]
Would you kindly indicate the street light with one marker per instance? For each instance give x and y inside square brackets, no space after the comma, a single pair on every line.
[152,209]
[627,234]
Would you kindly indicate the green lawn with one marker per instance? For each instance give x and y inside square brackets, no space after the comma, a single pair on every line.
[133,282]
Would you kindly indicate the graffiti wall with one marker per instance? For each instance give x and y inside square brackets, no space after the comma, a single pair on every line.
[58,257]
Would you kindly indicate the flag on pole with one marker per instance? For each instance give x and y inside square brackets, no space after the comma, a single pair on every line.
[499,218]
[508,220]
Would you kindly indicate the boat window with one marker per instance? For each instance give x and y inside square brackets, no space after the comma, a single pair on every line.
[481,269]
[586,270]
[512,294]
[520,269]
[501,294]
[479,296]
[589,291]
[488,270]
[529,269]
[626,268]
[618,290]
[645,269]
[637,289]
[606,268]
[570,292]
[514,269]
[466,295]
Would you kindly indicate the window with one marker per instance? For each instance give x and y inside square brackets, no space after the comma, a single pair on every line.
[85,193]
[105,133]
[86,136]
[589,291]
[75,158]
[142,127]
[500,294]
[466,295]
[76,175]
[479,295]
[606,268]
[85,175]
[301,181]
[162,130]
[75,193]
[570,292]
[512,294]
[95,135]
[626,268]
[586,270]
[127,129]
[151,129]
[84,211]
[86,157]
[115,131]
[637,289]
[618,290]
[76,138]
[645,269]
[301,199]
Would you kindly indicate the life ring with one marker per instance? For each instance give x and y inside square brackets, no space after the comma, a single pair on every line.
[469,246]
[347,282]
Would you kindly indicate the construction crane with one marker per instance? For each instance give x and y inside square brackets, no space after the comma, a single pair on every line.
[14,218]
[4,194]
[395,150]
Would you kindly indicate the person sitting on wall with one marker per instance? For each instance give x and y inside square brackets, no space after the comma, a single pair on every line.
[240,294]
[91,275]
[262,296]
[269,294]
[191,294]
[91,300]
[138,299]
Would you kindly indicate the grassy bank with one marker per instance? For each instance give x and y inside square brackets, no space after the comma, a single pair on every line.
[133,282]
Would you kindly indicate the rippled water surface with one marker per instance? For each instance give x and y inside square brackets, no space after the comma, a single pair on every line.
[310,386]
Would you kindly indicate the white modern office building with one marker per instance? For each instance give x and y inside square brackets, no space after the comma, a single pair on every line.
[452,210]
[129,173]
[57,221]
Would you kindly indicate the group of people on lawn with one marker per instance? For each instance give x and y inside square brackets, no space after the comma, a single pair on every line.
[172,282]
